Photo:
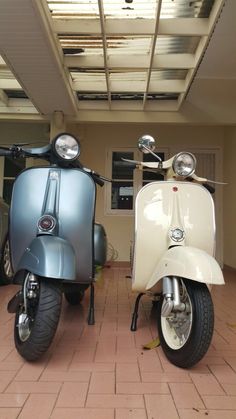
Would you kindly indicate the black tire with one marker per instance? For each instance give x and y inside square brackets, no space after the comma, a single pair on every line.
[6,272]
[74,294]
[198,331]
[34,331]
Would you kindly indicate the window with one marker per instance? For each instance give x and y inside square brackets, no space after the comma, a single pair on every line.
[126,182]
[12,167]
[122,187]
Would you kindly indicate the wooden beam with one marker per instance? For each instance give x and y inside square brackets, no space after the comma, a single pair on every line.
[104,46]
[177,26]
[152,52]
[120,86]
[212,21]
[3,97]
[10,84]
[176,61]
[16,106]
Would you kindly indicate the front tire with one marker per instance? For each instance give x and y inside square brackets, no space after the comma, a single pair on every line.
[185,336]
[36,324]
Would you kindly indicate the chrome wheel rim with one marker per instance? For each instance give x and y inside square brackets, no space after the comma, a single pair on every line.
[176,328]
[24,329]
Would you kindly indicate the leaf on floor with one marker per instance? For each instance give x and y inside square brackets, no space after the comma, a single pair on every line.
[231,325]
[153,344]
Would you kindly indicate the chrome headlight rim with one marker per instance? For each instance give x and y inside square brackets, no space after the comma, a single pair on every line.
[73,150]
[191,169]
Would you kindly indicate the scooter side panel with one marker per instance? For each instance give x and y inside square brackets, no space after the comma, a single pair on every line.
[74,209]
[161,207]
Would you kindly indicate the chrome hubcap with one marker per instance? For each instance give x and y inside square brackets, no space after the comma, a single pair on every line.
[27,310]
[176,328]
[24,327]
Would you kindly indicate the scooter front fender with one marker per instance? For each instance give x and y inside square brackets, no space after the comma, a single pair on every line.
[50,257]
[187,262]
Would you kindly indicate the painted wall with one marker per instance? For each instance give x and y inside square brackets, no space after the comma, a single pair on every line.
[96,140]
[17,132]
[230,197]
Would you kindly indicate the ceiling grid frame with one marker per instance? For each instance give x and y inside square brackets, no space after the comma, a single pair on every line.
[214,16]
[104,41]
[153,47]
[115,64]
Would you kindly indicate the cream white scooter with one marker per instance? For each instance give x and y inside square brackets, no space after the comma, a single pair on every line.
[173,256]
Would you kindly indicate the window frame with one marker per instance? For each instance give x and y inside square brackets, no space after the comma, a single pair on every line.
[137,178]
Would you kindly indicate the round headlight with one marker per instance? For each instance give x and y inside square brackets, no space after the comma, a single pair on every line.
[66,147]
[184,164]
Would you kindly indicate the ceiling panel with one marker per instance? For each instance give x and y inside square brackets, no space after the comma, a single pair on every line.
[126,51]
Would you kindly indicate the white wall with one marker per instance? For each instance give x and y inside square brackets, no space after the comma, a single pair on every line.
[19,132]
[230,197]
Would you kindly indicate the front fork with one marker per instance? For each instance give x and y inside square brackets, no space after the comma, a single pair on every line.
[28,292]
[171,296]
[171,300]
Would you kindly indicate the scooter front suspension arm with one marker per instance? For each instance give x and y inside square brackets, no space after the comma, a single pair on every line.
[171,294]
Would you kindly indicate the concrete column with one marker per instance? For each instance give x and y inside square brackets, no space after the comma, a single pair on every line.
[57,124]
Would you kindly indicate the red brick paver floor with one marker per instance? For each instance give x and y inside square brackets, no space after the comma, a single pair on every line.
[102,371]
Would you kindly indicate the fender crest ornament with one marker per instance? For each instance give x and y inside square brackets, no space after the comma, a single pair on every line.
[177,234]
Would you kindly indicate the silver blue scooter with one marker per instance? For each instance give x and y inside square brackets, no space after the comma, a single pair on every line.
[55,243]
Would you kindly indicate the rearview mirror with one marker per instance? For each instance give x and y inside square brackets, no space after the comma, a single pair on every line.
[146,144]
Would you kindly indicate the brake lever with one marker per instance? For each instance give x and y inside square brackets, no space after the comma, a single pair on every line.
[131,161]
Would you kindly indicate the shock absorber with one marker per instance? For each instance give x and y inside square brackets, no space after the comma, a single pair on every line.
[171,294]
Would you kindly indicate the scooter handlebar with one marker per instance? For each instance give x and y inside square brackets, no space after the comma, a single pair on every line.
[210,188]
[98,180]
[17,150]
[96,177]
[128,164]
[5,152]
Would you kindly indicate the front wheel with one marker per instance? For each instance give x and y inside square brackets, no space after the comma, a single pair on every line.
[185,336]
[37,318]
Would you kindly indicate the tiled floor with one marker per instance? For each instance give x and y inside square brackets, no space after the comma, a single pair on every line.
[102,371]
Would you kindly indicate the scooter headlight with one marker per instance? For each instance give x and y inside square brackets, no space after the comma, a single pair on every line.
[184,164]
[66,147]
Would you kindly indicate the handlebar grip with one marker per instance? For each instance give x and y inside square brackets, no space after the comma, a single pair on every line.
[97,180]
[210,188]
[4,152]
[125,164]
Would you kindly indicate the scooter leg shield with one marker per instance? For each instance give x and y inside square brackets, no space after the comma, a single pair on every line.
[187,262]
[49,257]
